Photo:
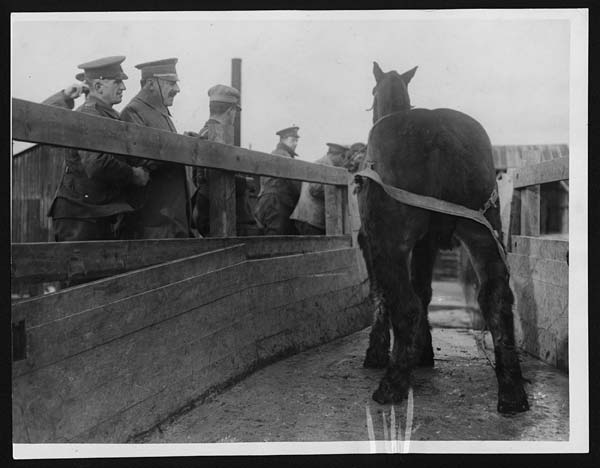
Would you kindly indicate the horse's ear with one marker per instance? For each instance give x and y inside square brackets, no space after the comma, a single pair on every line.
[407,76]
[377,72]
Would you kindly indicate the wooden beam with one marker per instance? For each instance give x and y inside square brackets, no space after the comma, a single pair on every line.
[542,173]
[61,261]
[40,123]
[221,187]
[151,306]
[335,210]
[530,210]
[551,249]
[70,301]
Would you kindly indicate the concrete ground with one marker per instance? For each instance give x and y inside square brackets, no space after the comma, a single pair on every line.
[324,394]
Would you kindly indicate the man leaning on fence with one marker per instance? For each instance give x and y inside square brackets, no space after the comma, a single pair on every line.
[224,104]
[92,193]
[278,197]
[164,202]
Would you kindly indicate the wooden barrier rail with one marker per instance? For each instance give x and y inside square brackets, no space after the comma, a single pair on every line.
[64,261]
[539,267]
[38,123]
[525,211]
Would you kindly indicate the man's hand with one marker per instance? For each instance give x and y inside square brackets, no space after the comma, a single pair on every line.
[74,91]
[191,134]
[140,176]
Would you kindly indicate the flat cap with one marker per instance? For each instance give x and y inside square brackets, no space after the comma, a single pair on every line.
[164,69]
[108,68]
[288,132]
[337,148]
[223,93]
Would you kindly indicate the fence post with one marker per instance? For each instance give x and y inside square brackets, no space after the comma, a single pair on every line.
[221,186]
[336,209]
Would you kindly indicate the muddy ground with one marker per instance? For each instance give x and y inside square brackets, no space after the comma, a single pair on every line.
[324,394]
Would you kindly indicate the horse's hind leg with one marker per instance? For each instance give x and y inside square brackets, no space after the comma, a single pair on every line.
[406,312]
[422,261]
[496,300]
[379,339]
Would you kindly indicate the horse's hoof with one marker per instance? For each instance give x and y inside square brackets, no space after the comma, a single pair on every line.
[389,392]
[375,360]
[427,358]
[513,402]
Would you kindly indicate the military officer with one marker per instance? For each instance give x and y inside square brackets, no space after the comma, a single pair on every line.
[92,192]
[224,104]
[309,214]
[278,197]
[165,210]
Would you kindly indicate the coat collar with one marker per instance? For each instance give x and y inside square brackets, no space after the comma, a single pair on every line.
[153,101]
[286,148]
[101,107]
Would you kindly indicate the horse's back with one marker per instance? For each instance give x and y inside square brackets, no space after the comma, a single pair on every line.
[442,153]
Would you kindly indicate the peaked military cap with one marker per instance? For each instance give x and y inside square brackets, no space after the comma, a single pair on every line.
[108,68]
[164,69]
[288,132]
[336,148]
[223,93]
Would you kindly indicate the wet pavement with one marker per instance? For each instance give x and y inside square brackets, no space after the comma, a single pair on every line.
[324,394]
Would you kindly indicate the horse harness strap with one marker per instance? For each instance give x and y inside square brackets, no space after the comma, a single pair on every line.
[440,206]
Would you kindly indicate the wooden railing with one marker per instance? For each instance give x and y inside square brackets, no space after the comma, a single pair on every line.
[38,123]
[539,264]
[527,181]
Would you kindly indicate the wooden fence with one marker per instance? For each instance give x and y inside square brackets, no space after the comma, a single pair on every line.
[160,324]
[539,264]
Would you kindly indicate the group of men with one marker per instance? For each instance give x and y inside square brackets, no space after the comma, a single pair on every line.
[104,196]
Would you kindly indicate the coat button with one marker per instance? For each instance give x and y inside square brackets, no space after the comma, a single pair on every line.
[85,196]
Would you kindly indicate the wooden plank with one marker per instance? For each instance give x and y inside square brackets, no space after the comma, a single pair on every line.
[505,196]
[334,210]
[551,249]
[193,386]
[52,125]
[221,187]
[541,319]
[72,301]
[108,322]
[541,269]
[542,173]
[96,259]
[89,387]
[530,210]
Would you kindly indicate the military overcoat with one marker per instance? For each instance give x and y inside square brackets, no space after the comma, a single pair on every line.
[164,201]
[94,185]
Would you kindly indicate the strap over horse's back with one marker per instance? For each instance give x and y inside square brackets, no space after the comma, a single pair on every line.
[440,206]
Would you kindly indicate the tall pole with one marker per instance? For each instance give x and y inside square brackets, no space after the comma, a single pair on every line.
[236,82]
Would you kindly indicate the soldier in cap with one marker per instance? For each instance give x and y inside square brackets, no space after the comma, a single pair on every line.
[278,197]
[165,210]
[309,214]
[93,191]
[224,104]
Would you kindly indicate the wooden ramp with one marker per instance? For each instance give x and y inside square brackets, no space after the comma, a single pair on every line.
[107,360]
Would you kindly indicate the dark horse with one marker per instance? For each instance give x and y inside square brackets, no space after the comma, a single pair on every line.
[445,154]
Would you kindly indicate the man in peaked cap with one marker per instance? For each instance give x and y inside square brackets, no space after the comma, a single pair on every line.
[93,191]
[165,210]
[278,197]
[309,214]
[224,104]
